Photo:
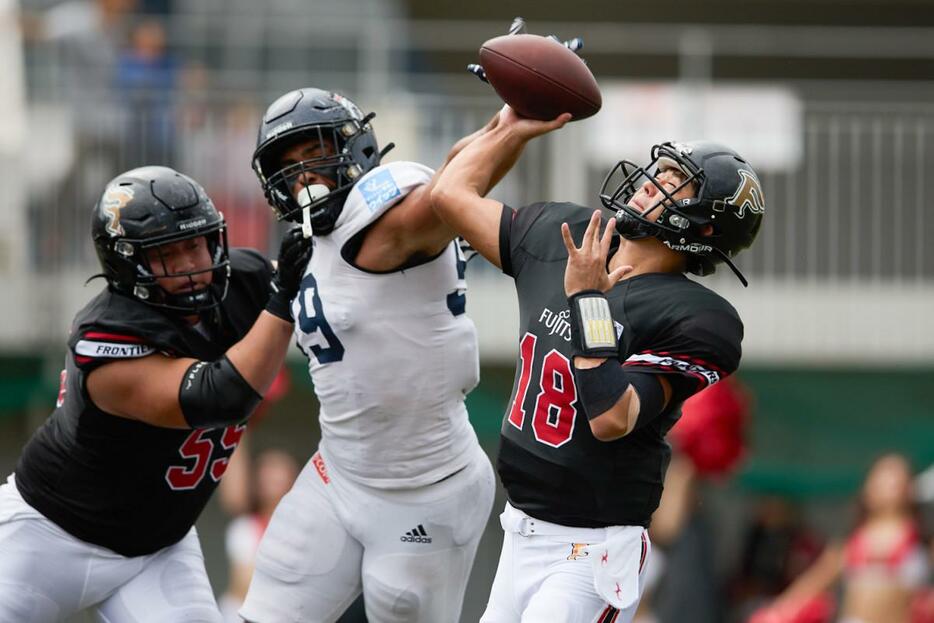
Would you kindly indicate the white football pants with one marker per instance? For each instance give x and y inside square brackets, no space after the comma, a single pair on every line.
[550,573]
[46,575]
[408,550]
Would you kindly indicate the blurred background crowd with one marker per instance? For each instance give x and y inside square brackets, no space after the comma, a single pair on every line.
[801,492]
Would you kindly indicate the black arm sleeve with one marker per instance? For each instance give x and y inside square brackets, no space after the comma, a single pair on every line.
[654,404]
[600,388]
[214,394]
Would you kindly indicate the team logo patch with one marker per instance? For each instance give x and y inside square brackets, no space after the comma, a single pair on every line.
[416,535]
[557,322]
[693,247]
[379,189]
[112,350]
[114,200]
[193,223]
[682,148]
[748,196]
[578,551]
[321,468]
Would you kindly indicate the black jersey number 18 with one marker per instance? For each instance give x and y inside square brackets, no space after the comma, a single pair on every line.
[554,411]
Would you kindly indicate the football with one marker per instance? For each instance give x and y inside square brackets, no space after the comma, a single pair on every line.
[539,77]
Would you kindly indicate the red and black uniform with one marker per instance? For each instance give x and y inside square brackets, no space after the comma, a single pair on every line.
[551,465]
[121,483]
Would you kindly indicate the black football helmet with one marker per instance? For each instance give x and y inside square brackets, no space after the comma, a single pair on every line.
[729,198]
[152,206]
[322,116]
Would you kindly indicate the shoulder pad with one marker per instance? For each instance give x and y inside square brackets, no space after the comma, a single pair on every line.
[705,346]
[537,228]
[378,191]
[114,326]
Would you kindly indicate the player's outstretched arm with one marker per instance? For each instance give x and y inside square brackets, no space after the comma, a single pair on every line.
[412,228]
[187,393]
[458,194]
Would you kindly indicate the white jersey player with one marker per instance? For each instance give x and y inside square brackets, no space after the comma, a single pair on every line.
[394,502]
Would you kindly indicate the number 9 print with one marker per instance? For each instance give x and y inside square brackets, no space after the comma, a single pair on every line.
[321,338]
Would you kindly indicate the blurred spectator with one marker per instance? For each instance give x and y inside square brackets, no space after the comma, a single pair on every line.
[237,194]
[219,147]
[883,564]
[922,610]
[712,428]
[146,77]
[85,37]
[681,576]
[777,548]
[709,440]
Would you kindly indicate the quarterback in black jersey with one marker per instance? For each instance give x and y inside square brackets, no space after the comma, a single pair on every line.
[164,367]
[613,339]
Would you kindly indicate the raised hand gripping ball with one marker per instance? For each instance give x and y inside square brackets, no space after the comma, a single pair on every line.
[539,77]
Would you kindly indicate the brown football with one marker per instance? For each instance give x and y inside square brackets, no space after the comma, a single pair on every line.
[539,77]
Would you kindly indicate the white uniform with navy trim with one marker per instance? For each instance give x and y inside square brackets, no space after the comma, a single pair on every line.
[397,498]
[392,355]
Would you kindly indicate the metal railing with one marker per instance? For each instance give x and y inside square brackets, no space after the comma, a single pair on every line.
[845,238]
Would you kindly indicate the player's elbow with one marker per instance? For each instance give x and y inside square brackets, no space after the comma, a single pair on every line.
[609,426]
[449,197]
[442,199]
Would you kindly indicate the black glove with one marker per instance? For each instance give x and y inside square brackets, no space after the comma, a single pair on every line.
[294,254]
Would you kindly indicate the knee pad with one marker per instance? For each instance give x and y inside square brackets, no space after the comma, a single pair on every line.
[389,603]
[24,604]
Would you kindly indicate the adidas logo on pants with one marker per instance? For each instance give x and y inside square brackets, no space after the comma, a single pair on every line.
[416,535]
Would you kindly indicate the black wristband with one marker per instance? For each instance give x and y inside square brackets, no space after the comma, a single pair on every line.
[593,332]
[280,303]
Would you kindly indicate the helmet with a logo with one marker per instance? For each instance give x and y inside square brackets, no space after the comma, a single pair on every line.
[144,209]
[729,199]
[349,150]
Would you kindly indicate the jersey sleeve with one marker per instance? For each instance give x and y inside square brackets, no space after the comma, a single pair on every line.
[254,271]
[92,347]
[699,350]
[514,226]
[251,263]
[376,192]
[534,231]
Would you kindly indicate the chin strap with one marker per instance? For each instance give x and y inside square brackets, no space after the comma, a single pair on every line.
[632,228]
[726,260]
[385,150]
